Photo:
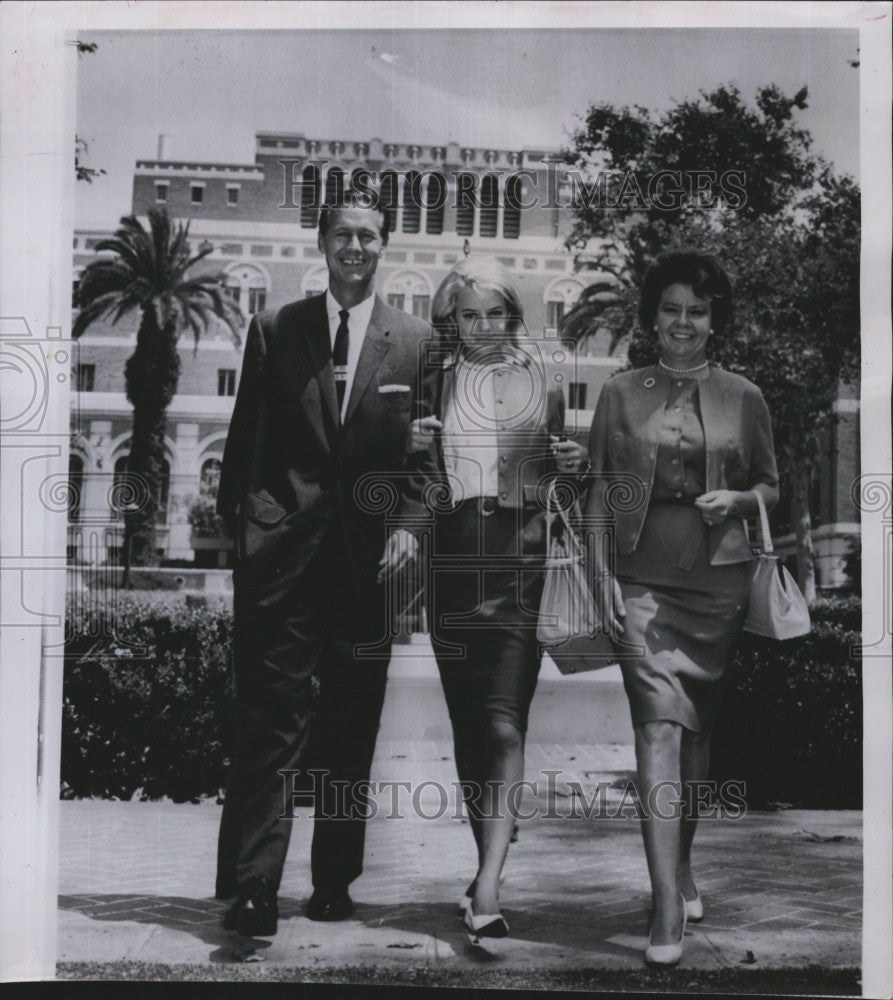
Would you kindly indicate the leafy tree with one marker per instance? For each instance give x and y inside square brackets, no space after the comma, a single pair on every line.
[149,272]
[82,172]
[741,182]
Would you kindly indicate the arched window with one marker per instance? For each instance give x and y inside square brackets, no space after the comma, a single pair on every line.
[75,485]
[412,202]
[489,204]
[334,185]
[465,204]
[315,281]
[210,476]
[511,213]
[389,194]
[560,298]
[248,286]
[410,291]
[162,487]
[310,184]
[435,199]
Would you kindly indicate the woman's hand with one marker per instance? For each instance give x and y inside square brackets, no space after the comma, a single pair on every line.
[569,456]
[716,505]
[422,432]
[609,600]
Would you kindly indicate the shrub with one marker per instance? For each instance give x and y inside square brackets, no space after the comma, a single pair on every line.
[147,726]
[791,725]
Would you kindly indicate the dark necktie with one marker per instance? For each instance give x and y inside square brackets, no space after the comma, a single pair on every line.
[339,357]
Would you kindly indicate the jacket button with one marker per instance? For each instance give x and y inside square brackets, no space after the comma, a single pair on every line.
[503,459]
[503,495]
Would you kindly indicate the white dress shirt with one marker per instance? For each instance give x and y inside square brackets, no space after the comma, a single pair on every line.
[357,323]
[469,439]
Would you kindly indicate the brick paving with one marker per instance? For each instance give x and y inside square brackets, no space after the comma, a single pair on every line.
[780,889]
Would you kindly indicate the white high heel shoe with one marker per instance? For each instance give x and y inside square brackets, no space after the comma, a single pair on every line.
[694,909]
[667,955]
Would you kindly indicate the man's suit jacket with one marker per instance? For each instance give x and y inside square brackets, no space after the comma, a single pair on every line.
[623,449]
[290,468]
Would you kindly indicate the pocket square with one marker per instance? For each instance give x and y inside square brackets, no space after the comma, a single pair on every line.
[392,389]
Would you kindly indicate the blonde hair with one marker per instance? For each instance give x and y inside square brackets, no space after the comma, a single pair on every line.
[482,275]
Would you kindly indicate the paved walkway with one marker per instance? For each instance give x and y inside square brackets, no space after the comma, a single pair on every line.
[780,889]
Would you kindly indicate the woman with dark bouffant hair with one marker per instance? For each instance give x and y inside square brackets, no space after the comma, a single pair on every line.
[488,441]
[694,444]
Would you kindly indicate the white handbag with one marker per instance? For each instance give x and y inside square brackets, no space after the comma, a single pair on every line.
[775,609]
[568,628]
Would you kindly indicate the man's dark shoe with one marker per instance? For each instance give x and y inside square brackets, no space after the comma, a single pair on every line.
[255,912]
[329,906]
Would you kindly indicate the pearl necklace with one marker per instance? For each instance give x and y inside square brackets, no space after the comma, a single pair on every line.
[684,371]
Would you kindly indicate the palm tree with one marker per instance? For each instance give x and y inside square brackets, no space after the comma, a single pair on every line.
[603,305]
[149,273]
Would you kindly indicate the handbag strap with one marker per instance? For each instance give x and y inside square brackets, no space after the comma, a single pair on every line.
[764,524]
[553,511]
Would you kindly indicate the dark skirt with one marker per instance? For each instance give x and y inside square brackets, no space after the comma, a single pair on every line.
[689,621]
[485,589]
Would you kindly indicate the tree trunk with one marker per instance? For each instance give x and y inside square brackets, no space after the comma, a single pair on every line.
[151,375]
[800,477]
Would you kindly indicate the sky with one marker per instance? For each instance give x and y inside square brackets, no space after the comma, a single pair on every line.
[211,90]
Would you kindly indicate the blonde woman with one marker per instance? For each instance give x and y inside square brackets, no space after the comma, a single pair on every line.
[489,437]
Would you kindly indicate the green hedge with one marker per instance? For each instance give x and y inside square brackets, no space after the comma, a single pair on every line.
[791,727]
[149,727]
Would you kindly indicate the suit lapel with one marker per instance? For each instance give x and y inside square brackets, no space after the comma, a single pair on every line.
[319,346]
[375,347]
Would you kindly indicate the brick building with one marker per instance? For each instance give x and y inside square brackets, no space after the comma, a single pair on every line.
[261,220]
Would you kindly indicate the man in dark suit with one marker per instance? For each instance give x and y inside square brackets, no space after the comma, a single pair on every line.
[317,438]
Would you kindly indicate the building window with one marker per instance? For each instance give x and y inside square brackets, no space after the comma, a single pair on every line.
[226,381]
[421,306]
[389,195]
[246,284]
[465,190]
[310,184]
[75,285]
[161,189]
[576,395]
[334,186]
[560,297]
[489,204]
[84,377]
[197,194]
[162,487]
[511,212]
[412,203]
[435,199]
[554,314]
[75,485]
[410,292]
[210,476]
[232,194]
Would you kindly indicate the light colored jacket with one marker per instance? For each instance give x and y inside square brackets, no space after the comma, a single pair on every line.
[623,449]
[532,412]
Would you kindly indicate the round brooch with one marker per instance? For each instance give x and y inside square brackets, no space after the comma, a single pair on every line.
[648,383]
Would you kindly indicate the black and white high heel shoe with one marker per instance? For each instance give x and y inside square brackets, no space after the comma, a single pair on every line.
[487,926]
